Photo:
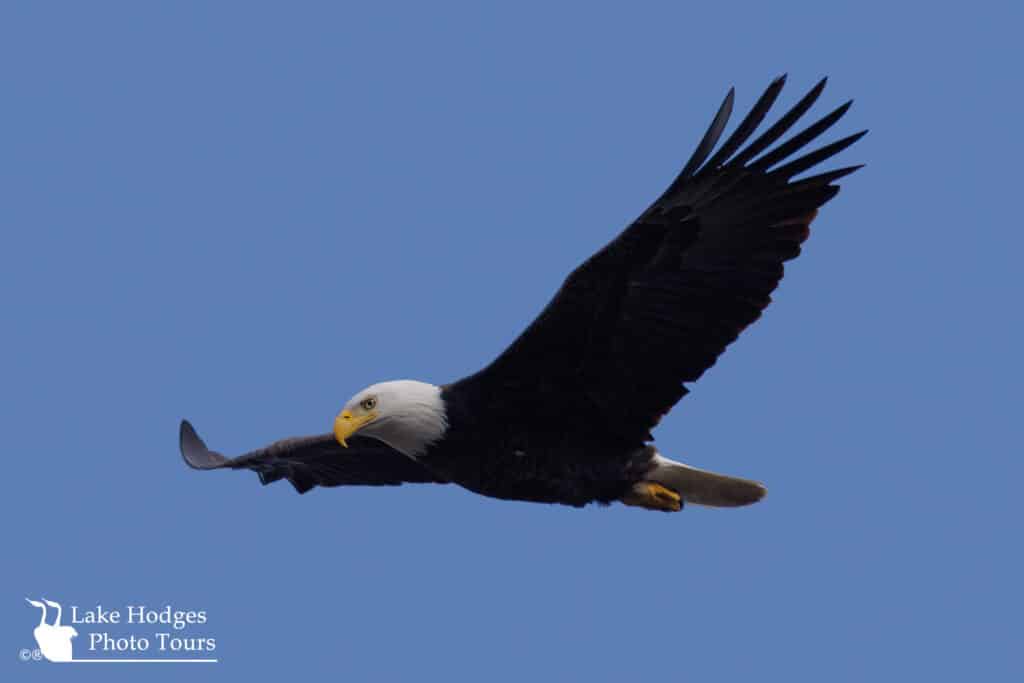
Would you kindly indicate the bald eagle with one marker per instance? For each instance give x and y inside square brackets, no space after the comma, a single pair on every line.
[564,414]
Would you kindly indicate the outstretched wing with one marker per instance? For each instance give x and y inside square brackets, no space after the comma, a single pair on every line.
[309,461]
[659,304]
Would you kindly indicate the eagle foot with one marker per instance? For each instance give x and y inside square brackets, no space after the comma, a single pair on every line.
[653,496]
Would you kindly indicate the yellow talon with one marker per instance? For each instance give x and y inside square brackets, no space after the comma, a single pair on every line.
[653,496]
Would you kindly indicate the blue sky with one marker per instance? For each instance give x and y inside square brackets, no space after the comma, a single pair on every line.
[243,213]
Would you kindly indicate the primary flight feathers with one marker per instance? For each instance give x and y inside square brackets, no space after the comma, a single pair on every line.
[564,414]
[312,461]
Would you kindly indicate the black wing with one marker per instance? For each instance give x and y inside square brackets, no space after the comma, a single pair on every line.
[659,304]
[309,461]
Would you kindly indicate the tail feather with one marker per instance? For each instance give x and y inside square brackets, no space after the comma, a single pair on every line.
[701,487]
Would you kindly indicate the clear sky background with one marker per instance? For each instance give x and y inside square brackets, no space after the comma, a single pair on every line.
[242,214]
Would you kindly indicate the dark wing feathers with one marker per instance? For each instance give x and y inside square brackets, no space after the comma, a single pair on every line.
[816,157]
[749,123]
[659,304]
[311,461]
[709,141]
[780,127]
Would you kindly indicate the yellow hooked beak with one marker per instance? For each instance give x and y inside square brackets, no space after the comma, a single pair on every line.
[347,424]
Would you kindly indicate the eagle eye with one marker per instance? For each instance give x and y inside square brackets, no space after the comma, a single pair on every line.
[368,403]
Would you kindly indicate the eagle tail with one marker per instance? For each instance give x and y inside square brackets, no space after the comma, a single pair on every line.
[701,487]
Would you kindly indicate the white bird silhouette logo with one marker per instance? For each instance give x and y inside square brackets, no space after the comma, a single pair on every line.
[54,640]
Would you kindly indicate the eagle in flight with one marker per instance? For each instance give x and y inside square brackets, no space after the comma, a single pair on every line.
[564,414]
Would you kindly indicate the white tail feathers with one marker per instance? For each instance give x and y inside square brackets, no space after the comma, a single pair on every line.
[702,487]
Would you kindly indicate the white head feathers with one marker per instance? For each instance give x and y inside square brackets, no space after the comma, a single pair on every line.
[407,415]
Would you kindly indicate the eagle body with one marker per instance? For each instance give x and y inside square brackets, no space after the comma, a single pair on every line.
[515,447]
[565,413]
